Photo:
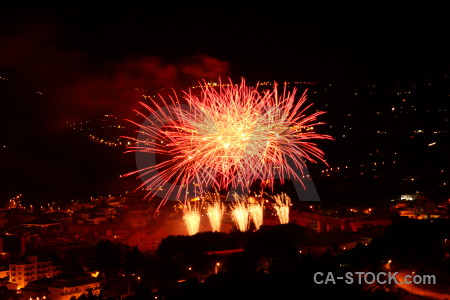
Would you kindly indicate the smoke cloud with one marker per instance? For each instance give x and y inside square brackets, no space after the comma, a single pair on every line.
[68,84]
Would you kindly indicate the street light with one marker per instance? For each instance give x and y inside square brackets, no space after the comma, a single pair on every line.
[216,268]
[388,264]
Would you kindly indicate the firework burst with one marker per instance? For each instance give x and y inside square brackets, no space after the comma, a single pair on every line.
[215,210]
[282,206]
[191,217]
[226,137]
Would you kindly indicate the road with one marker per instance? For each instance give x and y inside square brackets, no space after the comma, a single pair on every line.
[433,291]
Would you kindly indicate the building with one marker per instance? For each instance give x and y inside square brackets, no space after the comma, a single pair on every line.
[60,288]
[333,244]
[137,219]
[35,290]
[4,271]
[144,241]
[318,222]
[66,288]
[4,278]
[31,269]
[12,244]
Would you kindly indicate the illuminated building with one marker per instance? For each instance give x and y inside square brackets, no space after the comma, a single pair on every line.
[31,269]
[65,289]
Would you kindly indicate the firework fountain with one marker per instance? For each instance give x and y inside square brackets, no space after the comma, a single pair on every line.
[215,210]
[240,215]
[239,212]
[191,217]
[256,210]
[282,206]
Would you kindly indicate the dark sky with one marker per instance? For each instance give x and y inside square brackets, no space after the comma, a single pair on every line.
[92,62]
[70,66]
[278,42]
[88,62]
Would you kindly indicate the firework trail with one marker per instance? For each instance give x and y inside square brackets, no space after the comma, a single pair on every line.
[240,213]
[191,217]
[256,212]
[226,137]
[282,206]
[215,210]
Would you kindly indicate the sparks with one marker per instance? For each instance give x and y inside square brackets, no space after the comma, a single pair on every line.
[215,210]
[256,210]
[191,217]
[240,213]
[226,137]
[282,206]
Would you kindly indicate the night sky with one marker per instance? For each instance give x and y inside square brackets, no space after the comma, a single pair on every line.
[256,42]
[87,62]
[67,66]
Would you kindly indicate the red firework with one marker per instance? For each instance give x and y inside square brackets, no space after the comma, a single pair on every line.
[228,136]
